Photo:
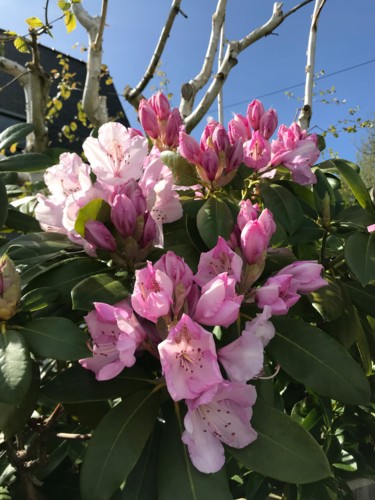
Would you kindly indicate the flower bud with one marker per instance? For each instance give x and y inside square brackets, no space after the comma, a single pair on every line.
[210,164]
[220,139]
[235,156]
[123,215]
[10,288]
[148,119]
[189,148]
[160,105]
[254,241]
[257,152]
[268,123]
[173,125]
[238,129]
[99,236]
[206,137]
[255,111]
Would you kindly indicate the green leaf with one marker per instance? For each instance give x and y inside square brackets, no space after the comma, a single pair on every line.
[214,219]
[318,361]
[354,181]
[363,297]
[178,478]
[39,299]
[283,205]
[21,222]
[360,256]
[308,231]
[184,173]
[56,338]
[14,417]
[27,162]
[97,209]
[15,133]
[34,22]
[98,288]
[117,444]
[64,386]
[176,239]
[3,204]
[283,450]
[15,368]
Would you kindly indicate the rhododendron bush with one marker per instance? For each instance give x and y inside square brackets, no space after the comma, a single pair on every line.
[185,318]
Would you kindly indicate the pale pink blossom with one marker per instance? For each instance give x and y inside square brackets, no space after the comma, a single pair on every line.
[218,304]
[257,152]
[239,129]
[279,292]
[221,418]
[371,228]
[49,213]
[152,294]
[188,359]
[260,327]
[306,275]
[116,155]
[219,260]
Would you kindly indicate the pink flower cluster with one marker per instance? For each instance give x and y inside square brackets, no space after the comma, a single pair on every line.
[134,183]
[174,308]
[294,148]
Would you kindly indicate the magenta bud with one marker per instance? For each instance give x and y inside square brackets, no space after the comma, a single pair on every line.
[132,190]
[210,163]
[268,123]
[255,111]
[99,236]
[134,132]
[160,105]
[206,137]
[149,230]
[238,129]
[189,148]
[148,119]
[220,139]
[254,241]
[235,156]
[173,126]
[123,215]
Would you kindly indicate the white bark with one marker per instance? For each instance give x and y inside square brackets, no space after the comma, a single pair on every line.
[94,105]
[306,111]
[189,90]
[234,48]
[36,89]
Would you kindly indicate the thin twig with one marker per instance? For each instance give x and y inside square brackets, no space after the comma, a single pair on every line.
[97,45]
[67,435]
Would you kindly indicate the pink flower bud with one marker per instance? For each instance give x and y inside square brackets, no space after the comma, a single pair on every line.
[149,230]
[279,293]
[247,212]
[235,156]
[255,111]
[254,241]
[210,164]
[238,129]
[257,152]
[173,125]
[123,215]
[266,219]
[132,190]
[268,123]
[220,139]
[206,137]
[134,132]
[160,105]
[189,148]
[99,236]
[307,275]
[148,119]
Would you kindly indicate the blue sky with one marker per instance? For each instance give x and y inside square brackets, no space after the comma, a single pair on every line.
[345,39]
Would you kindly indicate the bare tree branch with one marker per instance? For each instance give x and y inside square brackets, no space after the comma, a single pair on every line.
[94,105]
[234,48]
[306,111]
[189,90]
[133,95]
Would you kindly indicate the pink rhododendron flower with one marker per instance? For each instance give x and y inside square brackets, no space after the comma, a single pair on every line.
[296,151]
[306,274]
[218,304]
[116,155]
[219,260]
[279,292]
[114,343]
[260,327]
[49,213]
[255,111]
[247,212]
[238,129]
[223,418]
[257,152]
[99,236]
[152,294]
[188,359]
[181,276]
[268,123]
[371,228]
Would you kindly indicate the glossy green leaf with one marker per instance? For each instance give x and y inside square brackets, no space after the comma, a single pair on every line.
[325,199]
[63,387]
[363,297]
[308,231]
[349,171]
[283,450]
[14,417]
[3,204]
[184,173]
[15,368]
[117,444]
[178,478]
[26,162]
[98,288]
[283,205]
[176,239]
[214,219]
[360,256]
[21,222]
[318,361]
[39,299]
[56,338]
[14,134]
[97,209]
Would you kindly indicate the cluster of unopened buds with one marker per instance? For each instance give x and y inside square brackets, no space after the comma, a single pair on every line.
[116,205]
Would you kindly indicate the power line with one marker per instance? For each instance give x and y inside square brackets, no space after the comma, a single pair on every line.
[284,89]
